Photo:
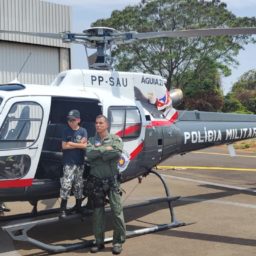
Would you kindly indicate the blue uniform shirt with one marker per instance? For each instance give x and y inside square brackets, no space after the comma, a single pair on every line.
[73,156]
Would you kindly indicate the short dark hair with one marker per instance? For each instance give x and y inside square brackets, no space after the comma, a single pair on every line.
[102,116]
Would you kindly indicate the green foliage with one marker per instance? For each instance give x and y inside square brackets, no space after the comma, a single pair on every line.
[244,90]
[192,64]
[202,87]
[232,104]
[246,81]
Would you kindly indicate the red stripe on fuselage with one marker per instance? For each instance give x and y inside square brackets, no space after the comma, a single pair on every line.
[163,122]
[129,130]
[136,151]
[15,183]
[174,117]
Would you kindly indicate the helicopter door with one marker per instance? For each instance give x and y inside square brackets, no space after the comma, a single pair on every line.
[153,144]
[125,121]
[170,135]
[23,124]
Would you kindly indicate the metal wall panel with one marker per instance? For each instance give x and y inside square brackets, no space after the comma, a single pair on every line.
[41,67]
[34,16]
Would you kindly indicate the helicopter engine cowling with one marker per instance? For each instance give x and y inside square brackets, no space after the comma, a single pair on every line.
[176,96]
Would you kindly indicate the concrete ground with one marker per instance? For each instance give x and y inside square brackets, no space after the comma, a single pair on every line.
[221,204]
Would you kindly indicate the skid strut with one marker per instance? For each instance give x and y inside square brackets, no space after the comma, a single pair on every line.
[19,231]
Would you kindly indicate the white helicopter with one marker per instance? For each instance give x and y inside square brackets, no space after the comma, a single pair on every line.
[140,110]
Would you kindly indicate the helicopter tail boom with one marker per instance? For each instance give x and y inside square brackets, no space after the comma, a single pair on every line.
[199,130]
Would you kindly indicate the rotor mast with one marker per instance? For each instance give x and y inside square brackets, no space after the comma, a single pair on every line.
[101,39]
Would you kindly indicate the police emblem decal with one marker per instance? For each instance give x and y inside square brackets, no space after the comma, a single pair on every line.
[123,161]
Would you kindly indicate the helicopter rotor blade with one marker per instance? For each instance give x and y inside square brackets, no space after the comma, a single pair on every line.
[48,35]
[103,38]
[66,37]
[191,33]
[128,37]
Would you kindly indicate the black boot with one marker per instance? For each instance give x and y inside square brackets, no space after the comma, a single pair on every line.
[63,208]
[78,206]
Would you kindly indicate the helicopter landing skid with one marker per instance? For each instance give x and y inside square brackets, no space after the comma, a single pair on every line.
[19,231]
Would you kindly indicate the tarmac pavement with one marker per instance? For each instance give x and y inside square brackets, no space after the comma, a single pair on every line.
[219,206]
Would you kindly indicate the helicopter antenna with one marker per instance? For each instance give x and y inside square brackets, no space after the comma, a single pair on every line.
[23,65]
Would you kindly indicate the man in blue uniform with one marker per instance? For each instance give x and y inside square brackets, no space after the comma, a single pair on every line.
[74,142]
[103,152]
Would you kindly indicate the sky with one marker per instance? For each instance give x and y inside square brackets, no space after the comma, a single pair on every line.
[84,12]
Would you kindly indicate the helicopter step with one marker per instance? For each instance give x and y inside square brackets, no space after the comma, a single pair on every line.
[19,231]
[21,216]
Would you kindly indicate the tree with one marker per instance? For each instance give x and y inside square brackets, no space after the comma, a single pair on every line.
[180,60]
[232,104]
[244,90]
[202,87]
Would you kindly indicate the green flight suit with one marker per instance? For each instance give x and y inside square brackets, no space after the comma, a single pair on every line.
[103,164]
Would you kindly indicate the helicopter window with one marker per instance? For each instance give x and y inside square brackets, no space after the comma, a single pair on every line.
[117,121]
[125,122]
[13,167]
[11,87]
[132,124]
[21,126]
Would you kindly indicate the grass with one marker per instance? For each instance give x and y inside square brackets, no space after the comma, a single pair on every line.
[248,145]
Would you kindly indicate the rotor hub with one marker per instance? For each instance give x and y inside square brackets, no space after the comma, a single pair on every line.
[101,38]
[100,32]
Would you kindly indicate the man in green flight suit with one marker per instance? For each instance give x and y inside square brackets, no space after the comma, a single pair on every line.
[103,152]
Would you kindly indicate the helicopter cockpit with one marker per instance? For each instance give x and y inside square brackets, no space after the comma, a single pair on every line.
[19,130]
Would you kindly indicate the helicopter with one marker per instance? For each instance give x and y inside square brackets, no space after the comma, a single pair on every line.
[139,108]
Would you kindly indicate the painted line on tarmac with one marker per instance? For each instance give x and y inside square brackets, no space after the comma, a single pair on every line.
[210,183]
[222,154]
[173,167]
[195,199]
[218,201]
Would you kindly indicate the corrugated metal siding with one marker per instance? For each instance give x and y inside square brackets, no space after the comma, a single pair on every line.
[34,16]
[41,68]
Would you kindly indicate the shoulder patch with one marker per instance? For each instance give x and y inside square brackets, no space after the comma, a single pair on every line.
[123,161]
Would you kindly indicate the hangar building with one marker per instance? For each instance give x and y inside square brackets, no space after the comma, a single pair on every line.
[31,59]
